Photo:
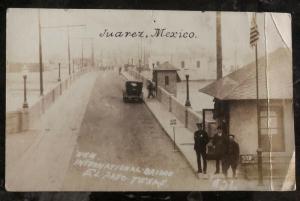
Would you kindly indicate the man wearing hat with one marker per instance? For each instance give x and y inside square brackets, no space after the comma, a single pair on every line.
[232,156]
[219,143]
[201,140]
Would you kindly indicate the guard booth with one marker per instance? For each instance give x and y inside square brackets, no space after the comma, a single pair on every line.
[165,75]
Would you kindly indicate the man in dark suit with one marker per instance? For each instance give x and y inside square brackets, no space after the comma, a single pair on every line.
[201,140]
[232,156]
[219,143]
[150,88]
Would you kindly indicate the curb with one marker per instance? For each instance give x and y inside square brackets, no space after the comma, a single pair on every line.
[177,146]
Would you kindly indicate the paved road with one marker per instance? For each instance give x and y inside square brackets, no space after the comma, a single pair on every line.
[124,134]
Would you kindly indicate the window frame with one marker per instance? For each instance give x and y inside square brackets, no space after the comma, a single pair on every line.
[279,135]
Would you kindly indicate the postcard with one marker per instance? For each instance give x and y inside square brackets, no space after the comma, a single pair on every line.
[148,100]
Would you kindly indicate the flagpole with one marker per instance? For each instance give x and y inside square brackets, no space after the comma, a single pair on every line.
[259,149]
[254,36]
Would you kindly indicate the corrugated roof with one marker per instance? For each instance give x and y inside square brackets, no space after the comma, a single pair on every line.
[274,82]
[165,66]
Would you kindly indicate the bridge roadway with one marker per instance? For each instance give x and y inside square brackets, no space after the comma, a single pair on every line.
[124,134]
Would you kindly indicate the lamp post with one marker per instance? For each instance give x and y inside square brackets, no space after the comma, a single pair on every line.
[25,72]
[187,102]
[59,73]
[69,54]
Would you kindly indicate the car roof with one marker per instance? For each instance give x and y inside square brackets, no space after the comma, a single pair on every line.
[133,82]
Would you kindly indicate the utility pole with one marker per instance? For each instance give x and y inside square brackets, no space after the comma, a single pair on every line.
[219,45]
[139,68]
[69,54]
[41,57]
[221,118]
[81,54]
[144,55]
[68,36]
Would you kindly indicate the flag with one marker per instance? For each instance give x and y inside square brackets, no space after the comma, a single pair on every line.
[254,34]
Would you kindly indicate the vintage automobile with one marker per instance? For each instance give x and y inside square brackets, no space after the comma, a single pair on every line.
[133,91]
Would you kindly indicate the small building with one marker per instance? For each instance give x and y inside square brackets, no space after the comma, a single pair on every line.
[202,67]
[275,125]
[165,75]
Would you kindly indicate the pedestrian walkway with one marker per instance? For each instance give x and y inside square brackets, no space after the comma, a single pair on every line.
[42,154]
[184,142]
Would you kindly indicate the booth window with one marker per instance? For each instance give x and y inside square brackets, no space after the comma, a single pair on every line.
[271,128]
[166,80]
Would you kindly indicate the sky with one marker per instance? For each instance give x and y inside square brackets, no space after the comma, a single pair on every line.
[22,34]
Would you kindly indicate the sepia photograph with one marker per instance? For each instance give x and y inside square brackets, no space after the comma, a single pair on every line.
[148,100]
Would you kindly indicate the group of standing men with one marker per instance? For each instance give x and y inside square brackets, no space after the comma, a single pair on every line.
[226,150]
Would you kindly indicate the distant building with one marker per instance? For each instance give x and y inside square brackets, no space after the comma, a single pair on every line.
[237,92]
[165,75]
[154,61]
[202,68]
[31,66]
[194,75]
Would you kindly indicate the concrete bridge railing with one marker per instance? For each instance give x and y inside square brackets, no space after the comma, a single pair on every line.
[22,119]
